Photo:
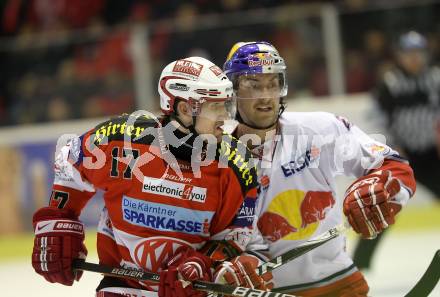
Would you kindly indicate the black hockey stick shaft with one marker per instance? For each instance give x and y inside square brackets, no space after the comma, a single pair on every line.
[150,276]
[302,249]
[429,279]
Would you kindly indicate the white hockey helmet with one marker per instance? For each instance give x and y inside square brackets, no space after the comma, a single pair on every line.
[193,79]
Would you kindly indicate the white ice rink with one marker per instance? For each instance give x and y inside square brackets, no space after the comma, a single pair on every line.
[401,260]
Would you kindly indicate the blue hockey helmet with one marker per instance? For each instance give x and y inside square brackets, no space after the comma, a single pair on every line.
[246,58]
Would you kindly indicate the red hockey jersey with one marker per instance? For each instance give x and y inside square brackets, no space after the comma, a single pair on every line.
[160,194]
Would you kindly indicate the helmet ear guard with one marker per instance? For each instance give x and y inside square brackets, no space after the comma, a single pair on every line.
[196,106]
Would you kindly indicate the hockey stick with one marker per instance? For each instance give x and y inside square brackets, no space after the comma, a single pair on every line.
[429,279]
[302,249]
[150,276]
[220,288]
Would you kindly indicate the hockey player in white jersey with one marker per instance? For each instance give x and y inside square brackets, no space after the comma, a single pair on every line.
[300,154]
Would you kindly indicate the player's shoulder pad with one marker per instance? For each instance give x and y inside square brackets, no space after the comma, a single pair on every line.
[239,159]
[125,127]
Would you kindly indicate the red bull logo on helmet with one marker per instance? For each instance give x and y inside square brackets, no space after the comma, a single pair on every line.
[295,215]
[261,59]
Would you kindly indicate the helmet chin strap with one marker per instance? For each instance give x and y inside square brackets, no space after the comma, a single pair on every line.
[190,127]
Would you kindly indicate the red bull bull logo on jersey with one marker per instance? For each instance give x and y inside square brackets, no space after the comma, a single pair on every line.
[295,215]
[315,206]
[274,227]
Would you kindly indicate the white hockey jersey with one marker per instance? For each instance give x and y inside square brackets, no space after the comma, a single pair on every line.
[297,196]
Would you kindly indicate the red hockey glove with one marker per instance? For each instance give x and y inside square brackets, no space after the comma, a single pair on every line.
[369,204]
[59,238]
[241,271]
[185,267]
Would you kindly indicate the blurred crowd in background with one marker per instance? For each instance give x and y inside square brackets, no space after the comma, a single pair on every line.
[69,59]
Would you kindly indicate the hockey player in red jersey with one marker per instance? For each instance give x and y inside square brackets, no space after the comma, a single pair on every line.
[300,154]
[179,194]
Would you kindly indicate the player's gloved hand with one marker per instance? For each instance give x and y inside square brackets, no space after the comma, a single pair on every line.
[371,203]
[59,239]
[241,271]
[186,266]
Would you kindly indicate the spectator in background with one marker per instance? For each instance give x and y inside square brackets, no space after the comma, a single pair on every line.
[48,16]
[58,110]
[408,98]
[377,55]
[357,77]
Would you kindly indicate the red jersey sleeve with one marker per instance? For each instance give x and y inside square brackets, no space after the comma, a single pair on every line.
[76,164]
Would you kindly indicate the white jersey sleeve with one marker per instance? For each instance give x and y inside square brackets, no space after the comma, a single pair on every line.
[352,152]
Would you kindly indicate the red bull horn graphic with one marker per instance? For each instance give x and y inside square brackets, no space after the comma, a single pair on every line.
[295,215]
